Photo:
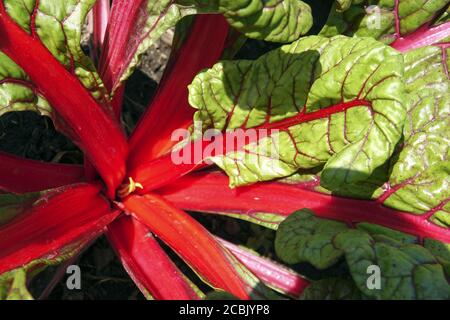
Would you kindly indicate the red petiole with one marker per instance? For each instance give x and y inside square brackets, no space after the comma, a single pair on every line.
[75,105]
[194,192]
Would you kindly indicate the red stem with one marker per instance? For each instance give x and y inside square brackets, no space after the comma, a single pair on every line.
[170,109]
[99,18]
[19,175]
[162,171]
[189,239]
[209,192]
[146,262]
[120,43]
[101,13]
[424,36]
[118,47]
[272,274]
[75,214]
[90,126]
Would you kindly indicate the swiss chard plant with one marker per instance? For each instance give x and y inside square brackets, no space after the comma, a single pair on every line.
[339,141]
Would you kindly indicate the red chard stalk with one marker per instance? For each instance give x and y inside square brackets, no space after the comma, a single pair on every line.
[75,105]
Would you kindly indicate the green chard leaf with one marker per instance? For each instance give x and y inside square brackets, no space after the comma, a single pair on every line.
[270,20]
[303,237]
[17,92]
[441,251]
[385,20]
[416,178]
[419,181]
[418,169]
[58,25]
[334,103]
[427,68]
[13,286]
[407,270]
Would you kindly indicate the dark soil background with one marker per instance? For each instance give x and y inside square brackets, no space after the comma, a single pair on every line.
[29,135]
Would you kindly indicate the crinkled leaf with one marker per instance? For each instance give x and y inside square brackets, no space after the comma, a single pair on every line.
[419,182]
[336,103]
[385,20]
[303,237]
[281,21]
[427,68]
[58,25]
[271,20]
[407,269]
[331,289]
[441,251]
[418,175]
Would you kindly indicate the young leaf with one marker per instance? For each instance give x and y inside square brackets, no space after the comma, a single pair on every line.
[136,25]
[336,103]
[407,269]
[405,24]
